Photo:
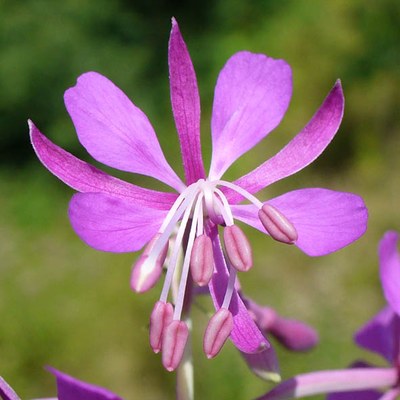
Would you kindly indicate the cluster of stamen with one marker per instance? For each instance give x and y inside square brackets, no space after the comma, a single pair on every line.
[198,205]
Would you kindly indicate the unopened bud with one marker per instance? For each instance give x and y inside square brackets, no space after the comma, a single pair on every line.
[174,341]
[237,248]
[145,274]
[218,330]
[160,318]
[201,260]
[277,225]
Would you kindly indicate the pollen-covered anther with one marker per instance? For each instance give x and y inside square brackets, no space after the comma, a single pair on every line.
[238,249]
[160,318]
[218,330]
[173,344]
[145,274]
[201,260]
[277,225]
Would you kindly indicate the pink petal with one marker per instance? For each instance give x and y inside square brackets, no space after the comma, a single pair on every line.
[112,224]
[264,364]
[325,220]
[332,381]
[356,395]
[114,131]
[6,392]
[69,388]
[252,94]
[185,104]
[83,177]
[301,151]
[389,260]
[245,334]
[380,334]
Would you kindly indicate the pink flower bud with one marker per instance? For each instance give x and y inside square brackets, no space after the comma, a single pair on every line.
[201,260]
[145,274]
[160,318]
[218,330]
[237,248]
[277,225]
[174,342]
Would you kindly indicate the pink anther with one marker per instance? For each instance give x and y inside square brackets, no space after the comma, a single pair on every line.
[238,248]
[160,318]
[218,330]
[145,274]
[201,260]
[173,344]
[277,225]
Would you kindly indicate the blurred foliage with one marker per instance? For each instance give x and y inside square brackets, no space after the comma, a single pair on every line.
[69,306]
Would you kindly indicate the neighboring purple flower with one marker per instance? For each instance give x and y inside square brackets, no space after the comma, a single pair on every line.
[68,388]
[380,335]
[251,96]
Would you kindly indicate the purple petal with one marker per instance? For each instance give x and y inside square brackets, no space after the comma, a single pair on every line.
[252,94]
[356,395]
[83,177]
[264,364]
[112,224]
[245,334]
[6,392]
[325,220]
[69,388]
[114,131]
[185,104]
[332,381]
[300,151]
[389,260]
[380,334]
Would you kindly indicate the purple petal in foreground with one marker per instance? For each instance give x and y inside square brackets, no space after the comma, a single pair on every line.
[83,177]
[245,334]
[114,131]
[185,104]
[356,395]
[332,381]
[264,364]
[325,220]
[69,388]
[252,94]
[301,151]
[389,261]
[380,334]
[6,392]
[112,224]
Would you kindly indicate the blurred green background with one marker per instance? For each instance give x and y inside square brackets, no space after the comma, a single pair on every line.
[66,305]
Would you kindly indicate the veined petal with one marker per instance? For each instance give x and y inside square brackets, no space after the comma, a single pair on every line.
[264,364]
[380,334]
[83,177]
[356,395]
[6,392]
[252,94]
[114,131]
[332,381]
[325,220]
[389,261]
[185,101]
[246,336]
[69,388]
[112,224]
[301,151]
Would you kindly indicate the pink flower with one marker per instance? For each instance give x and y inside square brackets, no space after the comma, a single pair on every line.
[68,388]
[251,96]
[380,335]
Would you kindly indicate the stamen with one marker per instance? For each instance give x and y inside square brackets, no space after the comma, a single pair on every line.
[160,318]
[173,344]
[241,191]
[145,275]
[224,207]
[229,289]
[202,260]
[218,330]
[277,225]
[237,248]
